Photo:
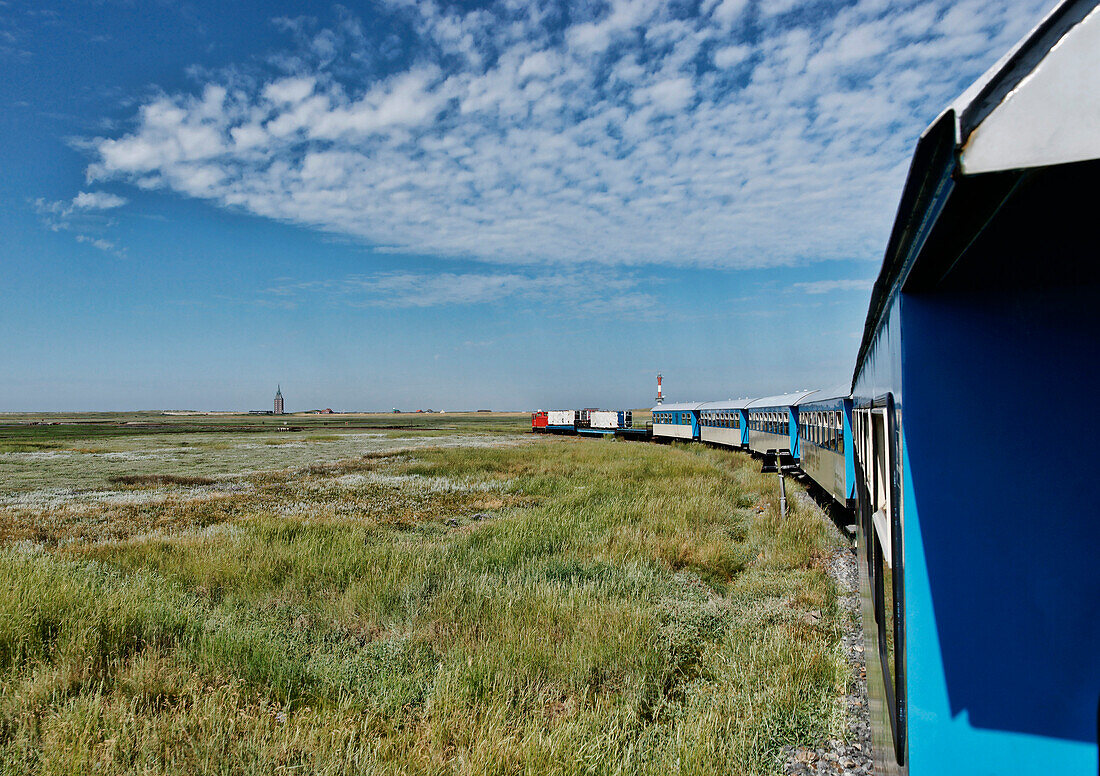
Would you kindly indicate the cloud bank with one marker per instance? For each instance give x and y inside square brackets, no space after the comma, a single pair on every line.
[725,133]
[620,294]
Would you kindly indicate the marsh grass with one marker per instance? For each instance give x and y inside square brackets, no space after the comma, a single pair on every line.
[562,607]
[159,480]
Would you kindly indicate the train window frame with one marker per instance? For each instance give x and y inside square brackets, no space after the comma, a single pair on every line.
[894,671]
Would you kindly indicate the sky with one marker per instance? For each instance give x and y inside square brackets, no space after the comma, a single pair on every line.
[501,205]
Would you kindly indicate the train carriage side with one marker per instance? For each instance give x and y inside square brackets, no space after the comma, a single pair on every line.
[773,423]
[723,423]
[981,601]
[604,420]
[561,421]
[676,421]
[825,443]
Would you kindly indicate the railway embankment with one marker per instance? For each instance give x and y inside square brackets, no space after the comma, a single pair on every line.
[850,757]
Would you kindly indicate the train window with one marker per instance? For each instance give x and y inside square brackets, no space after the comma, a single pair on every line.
[887,562]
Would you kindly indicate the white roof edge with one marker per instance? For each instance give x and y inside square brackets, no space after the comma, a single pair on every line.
[962,102]
[726,404]
[781,400]
[1030,136]
[677,406]
[828,394]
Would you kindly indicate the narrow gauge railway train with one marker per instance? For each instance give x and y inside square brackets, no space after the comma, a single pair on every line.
[811,428]
[977,533]
[588,422]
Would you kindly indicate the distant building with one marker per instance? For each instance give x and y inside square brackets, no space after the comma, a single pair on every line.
[279,400]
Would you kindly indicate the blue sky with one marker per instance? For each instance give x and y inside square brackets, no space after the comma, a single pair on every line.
[464,205]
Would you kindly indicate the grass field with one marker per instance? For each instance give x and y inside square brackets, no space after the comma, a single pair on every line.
[466,600]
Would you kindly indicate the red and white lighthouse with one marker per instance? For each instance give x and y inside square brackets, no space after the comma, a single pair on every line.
[660,395]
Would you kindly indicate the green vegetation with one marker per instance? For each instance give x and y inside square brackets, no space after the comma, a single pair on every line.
[59,429]
[560,606]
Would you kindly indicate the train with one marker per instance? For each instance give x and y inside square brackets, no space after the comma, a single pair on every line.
[962,446]
[587,422]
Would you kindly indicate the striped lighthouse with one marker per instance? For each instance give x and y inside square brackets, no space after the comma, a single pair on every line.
[660,394]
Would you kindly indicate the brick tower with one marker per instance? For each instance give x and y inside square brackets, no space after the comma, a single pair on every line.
[279,400]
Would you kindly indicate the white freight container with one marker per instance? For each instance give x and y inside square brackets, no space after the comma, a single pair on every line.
[604,419]
[560,418]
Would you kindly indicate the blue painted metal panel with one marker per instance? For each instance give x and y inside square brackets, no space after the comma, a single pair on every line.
[792,432]
[1001,522]
[943,739]
[849,453]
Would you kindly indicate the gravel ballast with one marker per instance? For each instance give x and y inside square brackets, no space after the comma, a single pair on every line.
[851,757]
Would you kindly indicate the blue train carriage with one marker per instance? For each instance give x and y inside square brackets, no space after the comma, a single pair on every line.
[724,423]
[676,421]
[978,546]
[773,423]
[825,443]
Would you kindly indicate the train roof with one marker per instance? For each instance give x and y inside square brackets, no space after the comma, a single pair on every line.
[727,404]
[781,400]
[1036,107]
[828,394]
[678,407]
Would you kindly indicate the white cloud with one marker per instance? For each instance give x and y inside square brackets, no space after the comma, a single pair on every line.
[507,139]
[731,55]
[81,214]
[97,200]
[289,90]
[97,242]
[567,293]
[828,286]
[728,11]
